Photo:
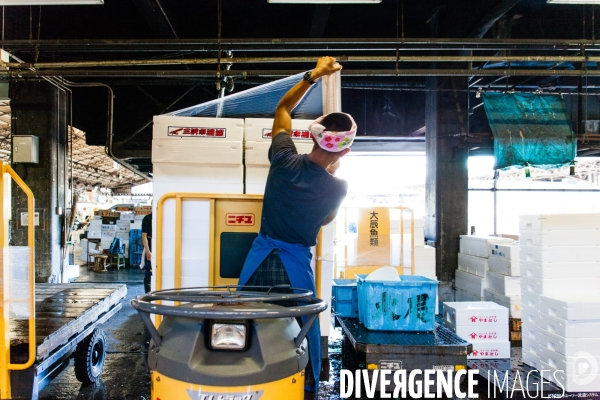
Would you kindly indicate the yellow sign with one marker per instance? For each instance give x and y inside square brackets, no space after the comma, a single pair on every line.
[373,236]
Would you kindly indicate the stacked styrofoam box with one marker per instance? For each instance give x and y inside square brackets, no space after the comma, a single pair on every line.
[424,255]
[109,232]
[257,141]
[95,228]
[482,323]
[504,278]
[472,276]
[560,259]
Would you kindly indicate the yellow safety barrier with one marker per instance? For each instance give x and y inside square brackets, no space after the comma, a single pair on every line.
[5,365]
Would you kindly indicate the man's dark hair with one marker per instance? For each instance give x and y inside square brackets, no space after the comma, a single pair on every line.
[339,122]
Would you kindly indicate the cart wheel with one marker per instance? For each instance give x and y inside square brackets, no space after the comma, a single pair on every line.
[90,356]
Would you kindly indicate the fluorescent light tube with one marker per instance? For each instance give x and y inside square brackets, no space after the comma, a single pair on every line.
[573,1]
[47,2]
[323,1]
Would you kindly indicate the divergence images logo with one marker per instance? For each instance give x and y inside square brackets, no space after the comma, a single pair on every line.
[239,219]
[294,134]
[182,131]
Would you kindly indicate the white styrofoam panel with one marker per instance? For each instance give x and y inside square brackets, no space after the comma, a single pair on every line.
[504,266]
[195,173]
[530,315]
[472,264]
[257,153]
[573,383]
[581,237]
[543,222]
[479,245]
[560,254]
[422,269]
[513,303]
[184,152]
[572,306]
[561,285]
[475,313]
[255,188]
[169,127]
[530,299]
[506,251]
[530,331]
[560,270]
[533,360]
[259,130]
[507,285]
[480,333]
[569,346]
[533,346]
[569,329]
[488,350]
[160,188]
[463,295]
[469,282]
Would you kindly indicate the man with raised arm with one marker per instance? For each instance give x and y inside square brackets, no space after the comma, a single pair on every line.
[301,195]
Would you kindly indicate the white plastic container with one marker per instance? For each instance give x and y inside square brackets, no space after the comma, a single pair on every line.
[569,346]
[561,270]
[504,266]
[470,283]
[583,382]
[475,313]
[472,264]
[259,130]
[479,245]
[513,303]
[490,350]
[582,237]
[463,295]
[572,306]
[542,222]
[560,254]
[506,251]
[572,284]
[196,128]
[533,360]
[507,285]
[480,333]
[569,329]
[530,299]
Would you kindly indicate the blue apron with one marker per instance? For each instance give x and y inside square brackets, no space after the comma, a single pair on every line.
[296,261]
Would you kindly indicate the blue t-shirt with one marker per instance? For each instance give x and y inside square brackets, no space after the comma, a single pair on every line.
[299,194]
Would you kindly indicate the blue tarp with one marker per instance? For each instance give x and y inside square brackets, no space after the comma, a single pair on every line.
[260,102]
[530,130]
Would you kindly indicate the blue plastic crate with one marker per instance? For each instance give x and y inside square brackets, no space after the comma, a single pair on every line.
[344,298]
[405,305]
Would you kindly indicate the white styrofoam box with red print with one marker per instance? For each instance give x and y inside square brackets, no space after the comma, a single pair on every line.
[569,328]
[475,313]
[573,284]
[530,299]
[569,346]
[472,264]
[257,153]
[506,251]
[580,237]
[533,360]
[504,266]
[198,128]
[585,380]
[479,245]
[572,306]
[259,130]
[513,303]
[480,333]
[560,270]
[543,222]
[469,282]
[490,350]
[183,152]
[503,284]
[551,254]
[463,295]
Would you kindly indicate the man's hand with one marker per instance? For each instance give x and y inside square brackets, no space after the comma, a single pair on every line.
[333,167]
[325,66]
[148,256]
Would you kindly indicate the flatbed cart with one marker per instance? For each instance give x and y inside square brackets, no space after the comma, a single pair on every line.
[67,319]
[441,349]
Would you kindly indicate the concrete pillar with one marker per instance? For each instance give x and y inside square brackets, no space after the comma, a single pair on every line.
[39,108]
[446,196]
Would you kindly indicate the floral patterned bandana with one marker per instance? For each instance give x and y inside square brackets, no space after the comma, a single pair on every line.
[332,141]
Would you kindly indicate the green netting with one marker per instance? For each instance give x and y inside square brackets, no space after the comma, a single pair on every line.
[530,130]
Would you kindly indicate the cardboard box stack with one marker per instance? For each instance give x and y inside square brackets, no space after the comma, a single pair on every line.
[560,277]
[473,275]
[482,323]
[257,140]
